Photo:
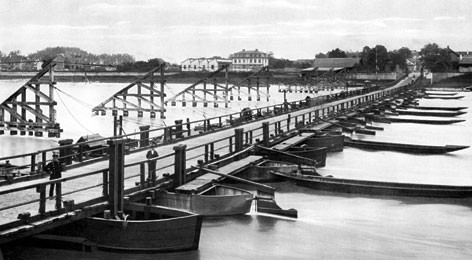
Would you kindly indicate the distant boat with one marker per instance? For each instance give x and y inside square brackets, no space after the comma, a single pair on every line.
[441,97]
[377,187]
[163,230]
[441,93]
[435,108]
[408,148]
[420,121]
[430,113]
[218,200]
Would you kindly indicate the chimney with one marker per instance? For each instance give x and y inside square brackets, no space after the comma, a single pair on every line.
[244,49]
[257,50]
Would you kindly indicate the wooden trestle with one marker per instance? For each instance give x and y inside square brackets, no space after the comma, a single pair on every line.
[32,109]
[253,82]
[201,86]
[134,98]
[257,78]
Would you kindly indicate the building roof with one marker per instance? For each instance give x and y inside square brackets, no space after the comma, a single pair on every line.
[336,63]
[249,51]
[219,60]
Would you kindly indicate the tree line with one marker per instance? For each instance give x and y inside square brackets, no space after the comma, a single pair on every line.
[376,58]
[72,54]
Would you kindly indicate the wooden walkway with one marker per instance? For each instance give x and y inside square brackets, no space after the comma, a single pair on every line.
[285,145]
[205,180]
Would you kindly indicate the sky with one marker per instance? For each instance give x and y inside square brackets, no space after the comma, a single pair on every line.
[178,29]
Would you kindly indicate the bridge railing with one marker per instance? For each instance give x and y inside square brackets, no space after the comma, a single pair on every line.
[31,165]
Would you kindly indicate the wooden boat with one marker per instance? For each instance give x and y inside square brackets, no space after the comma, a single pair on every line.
[316,153]
[435,108]
[145,228]
[334,143]
[218,200]
[442,97]
[310,157]
[430,113]
[377,187]
[441,93]
[422,121]
[262,172]
[408,148]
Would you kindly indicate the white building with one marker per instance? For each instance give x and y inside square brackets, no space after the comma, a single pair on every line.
[249,60]
[203,64]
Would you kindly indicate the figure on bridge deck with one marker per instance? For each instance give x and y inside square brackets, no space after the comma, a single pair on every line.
[54,168]
[6,170]
[151,156]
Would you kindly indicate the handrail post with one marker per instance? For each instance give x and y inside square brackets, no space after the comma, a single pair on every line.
[33,164]
[180,164]
[212,151]
[41,189]
[144,136]
[238,135]
[206,153]
[265,134]
[142,175]
[43,160]
[116,176]
[178,129]
[65,153]
[105,183]
[58,195]
[288,123]
[189,133]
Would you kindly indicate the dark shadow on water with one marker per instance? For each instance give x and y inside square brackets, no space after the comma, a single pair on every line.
[226,220]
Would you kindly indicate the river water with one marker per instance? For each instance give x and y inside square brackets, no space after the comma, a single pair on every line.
[330,225]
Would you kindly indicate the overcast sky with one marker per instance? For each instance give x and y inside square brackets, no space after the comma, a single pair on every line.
[179,29]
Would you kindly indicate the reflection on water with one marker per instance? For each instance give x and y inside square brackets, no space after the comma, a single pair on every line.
[342,226]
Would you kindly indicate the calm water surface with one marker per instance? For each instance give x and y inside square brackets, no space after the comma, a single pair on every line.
[330,225]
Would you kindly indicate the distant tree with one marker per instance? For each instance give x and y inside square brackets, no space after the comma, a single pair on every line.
[82,56]
[320,55]
[140,66]
[397,59]
[374,59]
[404,52]
[337,53]
[303,65]
[435,58]
[280,63]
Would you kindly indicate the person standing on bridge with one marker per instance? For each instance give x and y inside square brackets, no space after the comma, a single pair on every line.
[54,168]
[151,156]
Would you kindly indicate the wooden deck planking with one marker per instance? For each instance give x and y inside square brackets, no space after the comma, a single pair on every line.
[227,170]
[292,141]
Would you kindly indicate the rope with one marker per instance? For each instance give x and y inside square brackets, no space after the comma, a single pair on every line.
[72,115]
[85,104]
